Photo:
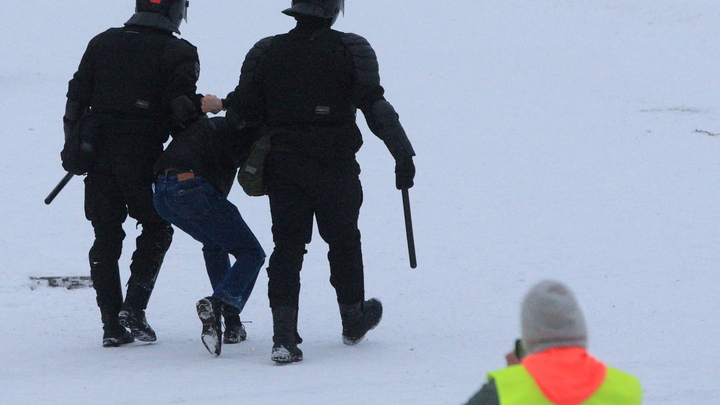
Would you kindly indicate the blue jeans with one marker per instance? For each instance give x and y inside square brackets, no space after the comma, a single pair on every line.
[198,209]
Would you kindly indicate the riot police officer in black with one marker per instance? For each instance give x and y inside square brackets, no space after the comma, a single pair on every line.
[134,86]
[304,87]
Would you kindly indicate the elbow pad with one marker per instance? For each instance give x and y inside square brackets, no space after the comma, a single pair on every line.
[77,152]
[384,122]
[74,110]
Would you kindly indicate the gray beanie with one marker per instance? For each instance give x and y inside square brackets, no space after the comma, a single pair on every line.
[551,317]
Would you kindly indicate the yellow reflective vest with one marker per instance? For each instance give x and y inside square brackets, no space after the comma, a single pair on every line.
[515,386]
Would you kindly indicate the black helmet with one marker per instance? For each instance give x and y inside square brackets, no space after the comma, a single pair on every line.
[328,9]
[175,10]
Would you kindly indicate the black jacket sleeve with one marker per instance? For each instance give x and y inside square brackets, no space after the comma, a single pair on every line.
[183,66]
[380,115]
[80,88]
[246,102]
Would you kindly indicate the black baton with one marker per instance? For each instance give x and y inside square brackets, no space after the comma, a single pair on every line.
[58,188]
[408,228]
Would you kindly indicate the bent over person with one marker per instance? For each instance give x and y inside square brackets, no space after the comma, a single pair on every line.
[134,86]
[304,88]
[195,174]
[557,370]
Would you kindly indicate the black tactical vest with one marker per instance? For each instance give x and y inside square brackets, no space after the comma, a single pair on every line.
[303,82]
[129,77]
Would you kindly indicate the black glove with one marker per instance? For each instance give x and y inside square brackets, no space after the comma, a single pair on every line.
[404,173]
[76,155]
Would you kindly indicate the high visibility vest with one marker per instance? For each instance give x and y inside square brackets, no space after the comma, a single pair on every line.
[515,386]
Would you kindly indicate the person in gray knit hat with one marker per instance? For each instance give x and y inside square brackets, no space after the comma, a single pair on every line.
[551,317]
[551,365]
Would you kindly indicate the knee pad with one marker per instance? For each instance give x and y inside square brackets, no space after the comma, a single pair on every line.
[108,243]
[154,241]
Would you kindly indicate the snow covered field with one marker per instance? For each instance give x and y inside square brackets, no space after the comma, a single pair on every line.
[555,138]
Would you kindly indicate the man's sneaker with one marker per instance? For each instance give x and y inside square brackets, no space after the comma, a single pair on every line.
[359,319]
[286,353]
[134,319]
[209,311]
[234,330]
[117,337]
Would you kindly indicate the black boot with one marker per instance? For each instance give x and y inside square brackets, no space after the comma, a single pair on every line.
[132,315]
[151,245]
[134,319]
[285,336]
[209,311]
[106,282]
[359,318]
[116,336]
[234,330]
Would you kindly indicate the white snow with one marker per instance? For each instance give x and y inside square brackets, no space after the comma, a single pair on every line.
[555,138]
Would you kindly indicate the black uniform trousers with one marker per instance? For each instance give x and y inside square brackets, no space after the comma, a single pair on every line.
[299,189]
[119,185]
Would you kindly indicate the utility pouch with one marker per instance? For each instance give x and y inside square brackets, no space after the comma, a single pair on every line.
[251,173]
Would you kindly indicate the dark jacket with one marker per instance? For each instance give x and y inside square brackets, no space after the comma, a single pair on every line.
[210,149]
[136,72]
[128,79]
[306,87]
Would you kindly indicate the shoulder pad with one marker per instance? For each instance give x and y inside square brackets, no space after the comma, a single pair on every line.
[181,46]
[179,50]
[188,42]
[108,33]
[363,56]
[257,51]
[358,45]
[351,38]
[260,48]
[361,51]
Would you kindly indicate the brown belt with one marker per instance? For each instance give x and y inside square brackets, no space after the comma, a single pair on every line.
[182,175]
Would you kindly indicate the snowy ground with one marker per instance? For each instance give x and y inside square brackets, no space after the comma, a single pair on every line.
[555,138]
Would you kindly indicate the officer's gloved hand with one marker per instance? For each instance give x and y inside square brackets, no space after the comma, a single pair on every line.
[75,155]
[404,173]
